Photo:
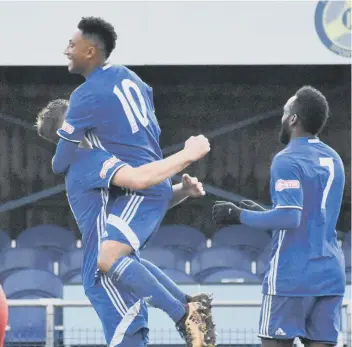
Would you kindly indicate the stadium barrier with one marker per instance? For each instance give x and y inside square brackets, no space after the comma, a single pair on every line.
[51,328]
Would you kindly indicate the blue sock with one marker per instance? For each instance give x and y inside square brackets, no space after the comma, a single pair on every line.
[135,277]
[166,281]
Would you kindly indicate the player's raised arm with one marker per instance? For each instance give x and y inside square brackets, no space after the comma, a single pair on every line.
[286,214]
[145,176]
[105,170]
[151,174]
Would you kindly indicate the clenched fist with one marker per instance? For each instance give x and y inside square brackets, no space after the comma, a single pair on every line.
[197,147]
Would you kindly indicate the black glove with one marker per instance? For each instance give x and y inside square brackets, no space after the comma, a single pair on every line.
[251,205]
[226,213]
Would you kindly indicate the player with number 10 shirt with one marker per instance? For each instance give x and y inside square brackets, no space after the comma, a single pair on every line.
[114,109]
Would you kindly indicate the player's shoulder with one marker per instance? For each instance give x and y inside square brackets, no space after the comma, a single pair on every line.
[83,95]
[125,72]
[81,91]
[78,91]
[329,150]
[286,161]
[119,71]
[285,157]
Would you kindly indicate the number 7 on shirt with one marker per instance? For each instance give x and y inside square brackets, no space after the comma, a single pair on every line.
[329,163]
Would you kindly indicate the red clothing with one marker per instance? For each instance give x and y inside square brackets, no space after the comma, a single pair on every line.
[4,313]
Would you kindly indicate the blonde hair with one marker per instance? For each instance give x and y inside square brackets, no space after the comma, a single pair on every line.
[50,119]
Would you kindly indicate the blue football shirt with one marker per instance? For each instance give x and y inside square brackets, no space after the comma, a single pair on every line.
[87,188]
[90,195]
[307,261]
[114,109]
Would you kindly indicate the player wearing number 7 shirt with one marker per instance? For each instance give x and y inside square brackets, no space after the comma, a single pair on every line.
[304,284]
[113,109]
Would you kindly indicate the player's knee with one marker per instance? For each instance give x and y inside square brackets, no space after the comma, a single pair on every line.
[109,252]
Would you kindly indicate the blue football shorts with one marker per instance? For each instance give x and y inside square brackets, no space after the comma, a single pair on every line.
[124,317]
[133,219]
[313,318]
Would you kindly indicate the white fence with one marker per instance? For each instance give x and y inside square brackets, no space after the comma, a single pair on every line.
[50,305]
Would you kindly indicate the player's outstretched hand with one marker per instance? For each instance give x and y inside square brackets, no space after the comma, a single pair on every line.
[197,147]
[225,213]
[192,186]
[251,205]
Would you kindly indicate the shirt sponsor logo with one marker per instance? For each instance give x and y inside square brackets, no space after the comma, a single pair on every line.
[108,164]
[68,128]
[281,185]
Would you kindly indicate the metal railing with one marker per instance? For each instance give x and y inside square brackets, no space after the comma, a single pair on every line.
[51,304]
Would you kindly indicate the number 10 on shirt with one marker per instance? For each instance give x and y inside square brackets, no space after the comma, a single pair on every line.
[130,106]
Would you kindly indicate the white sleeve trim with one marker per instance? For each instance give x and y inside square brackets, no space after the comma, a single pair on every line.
[65,138]
[289,206]
[114,171]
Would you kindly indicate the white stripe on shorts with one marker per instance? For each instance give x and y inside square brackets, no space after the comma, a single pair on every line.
[274,264]
[121,225]
[125,323]
[133,212]
[110,289]
[113,298]
[266,313]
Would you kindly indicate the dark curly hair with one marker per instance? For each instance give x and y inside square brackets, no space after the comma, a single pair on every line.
[101,30]
[311,108]
[50,119]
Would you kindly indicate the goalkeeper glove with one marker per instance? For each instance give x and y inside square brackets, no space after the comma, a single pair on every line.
[226,213]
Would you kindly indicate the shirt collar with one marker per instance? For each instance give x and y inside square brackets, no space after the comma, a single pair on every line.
[310,139]
[98,70]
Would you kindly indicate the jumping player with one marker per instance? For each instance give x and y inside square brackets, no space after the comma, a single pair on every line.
[305,283]
[92,175]
[114,109]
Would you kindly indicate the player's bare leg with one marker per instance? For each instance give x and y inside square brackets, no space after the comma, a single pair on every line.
[276,343]
[115,261]
[110,251]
